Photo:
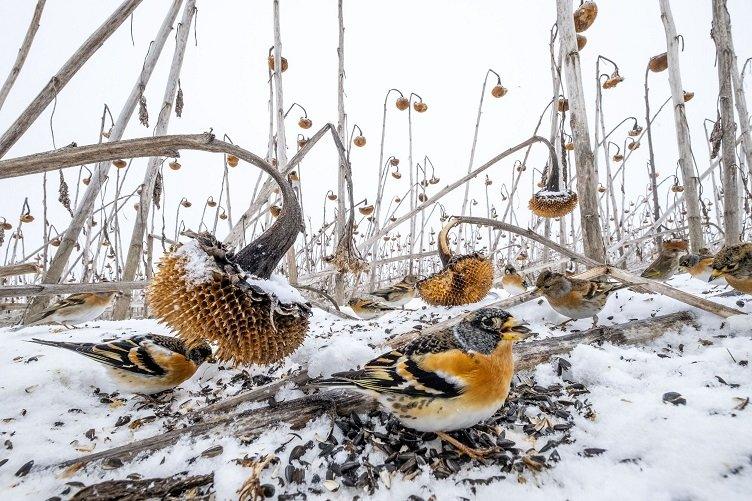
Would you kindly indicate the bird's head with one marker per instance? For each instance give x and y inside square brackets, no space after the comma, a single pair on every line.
[411,280]
[509,270]
[732,260]
[552,283]
[354,302]
[484,329]
[688,261]
[199,353]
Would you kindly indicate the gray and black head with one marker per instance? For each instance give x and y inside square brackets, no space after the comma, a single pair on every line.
[482,330]
[553,283]
[509,270]
[200,353]
[688,261]
[411,279]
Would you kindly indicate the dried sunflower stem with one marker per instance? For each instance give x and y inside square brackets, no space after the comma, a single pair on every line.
[58,263]
[342,232]
[689,178]
[587,182]
[448,189]
[721,34]
[64,75]
[135,248]
[22,52]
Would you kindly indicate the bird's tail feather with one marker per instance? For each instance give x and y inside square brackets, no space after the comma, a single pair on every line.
[56,344]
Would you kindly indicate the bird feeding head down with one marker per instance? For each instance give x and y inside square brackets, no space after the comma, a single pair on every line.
[732,260]
[481,331]
[200,353]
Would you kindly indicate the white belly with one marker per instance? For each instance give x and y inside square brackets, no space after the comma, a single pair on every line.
[441,415]
[514,289]
[577,313]
[79,317]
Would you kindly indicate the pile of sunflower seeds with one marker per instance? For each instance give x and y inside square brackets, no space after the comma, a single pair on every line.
[376,448]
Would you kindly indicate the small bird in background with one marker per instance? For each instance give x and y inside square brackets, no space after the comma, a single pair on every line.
[698,265]
[447,380]
[146,364]
[399,294]
[513,282]
[575,298]
[666,264]
[75,309]
[734,263]
[368,309]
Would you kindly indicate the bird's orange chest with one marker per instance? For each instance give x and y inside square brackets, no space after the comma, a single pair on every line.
[740,284]
[572,299]
[485,378]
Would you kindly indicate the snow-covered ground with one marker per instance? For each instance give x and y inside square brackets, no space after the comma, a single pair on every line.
[55,405]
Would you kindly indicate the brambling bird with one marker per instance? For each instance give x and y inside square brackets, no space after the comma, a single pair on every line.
[699,265]
[513,282]
[734,263]
[368,309]
[666,264]
[575,298]
[447,380]
[398,294]
[146,364]
[75,309]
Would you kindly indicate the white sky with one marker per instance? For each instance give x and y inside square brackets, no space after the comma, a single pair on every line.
[439,49]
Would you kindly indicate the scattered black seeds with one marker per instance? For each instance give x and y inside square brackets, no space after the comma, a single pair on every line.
[675,398]
[213,451]
[112,463]
[3,461]
[91,434]
[123,420]
[25,469]
[267,490]
[593,451]
[8,444]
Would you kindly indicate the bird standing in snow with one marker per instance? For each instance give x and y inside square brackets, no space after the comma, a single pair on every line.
[447,380]
[734,263]
[575,298]
[75,309]
[513,282]
[145,364]
[666,264]
[699,265]
[399,294]
[368,309]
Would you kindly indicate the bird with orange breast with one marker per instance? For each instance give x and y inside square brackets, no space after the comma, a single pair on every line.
[74,309]
[146,364]
[447,380]
[699,265]
[575,298]
[513,282]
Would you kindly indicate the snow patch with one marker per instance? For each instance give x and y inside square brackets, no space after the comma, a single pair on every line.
[342,354]
[279,286]
[740,324]
[197,263]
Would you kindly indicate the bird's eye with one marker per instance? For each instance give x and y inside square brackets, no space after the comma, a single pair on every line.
[488,322]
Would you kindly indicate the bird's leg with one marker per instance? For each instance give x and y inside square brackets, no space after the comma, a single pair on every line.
[595,321]
[564,323]
[469,451]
